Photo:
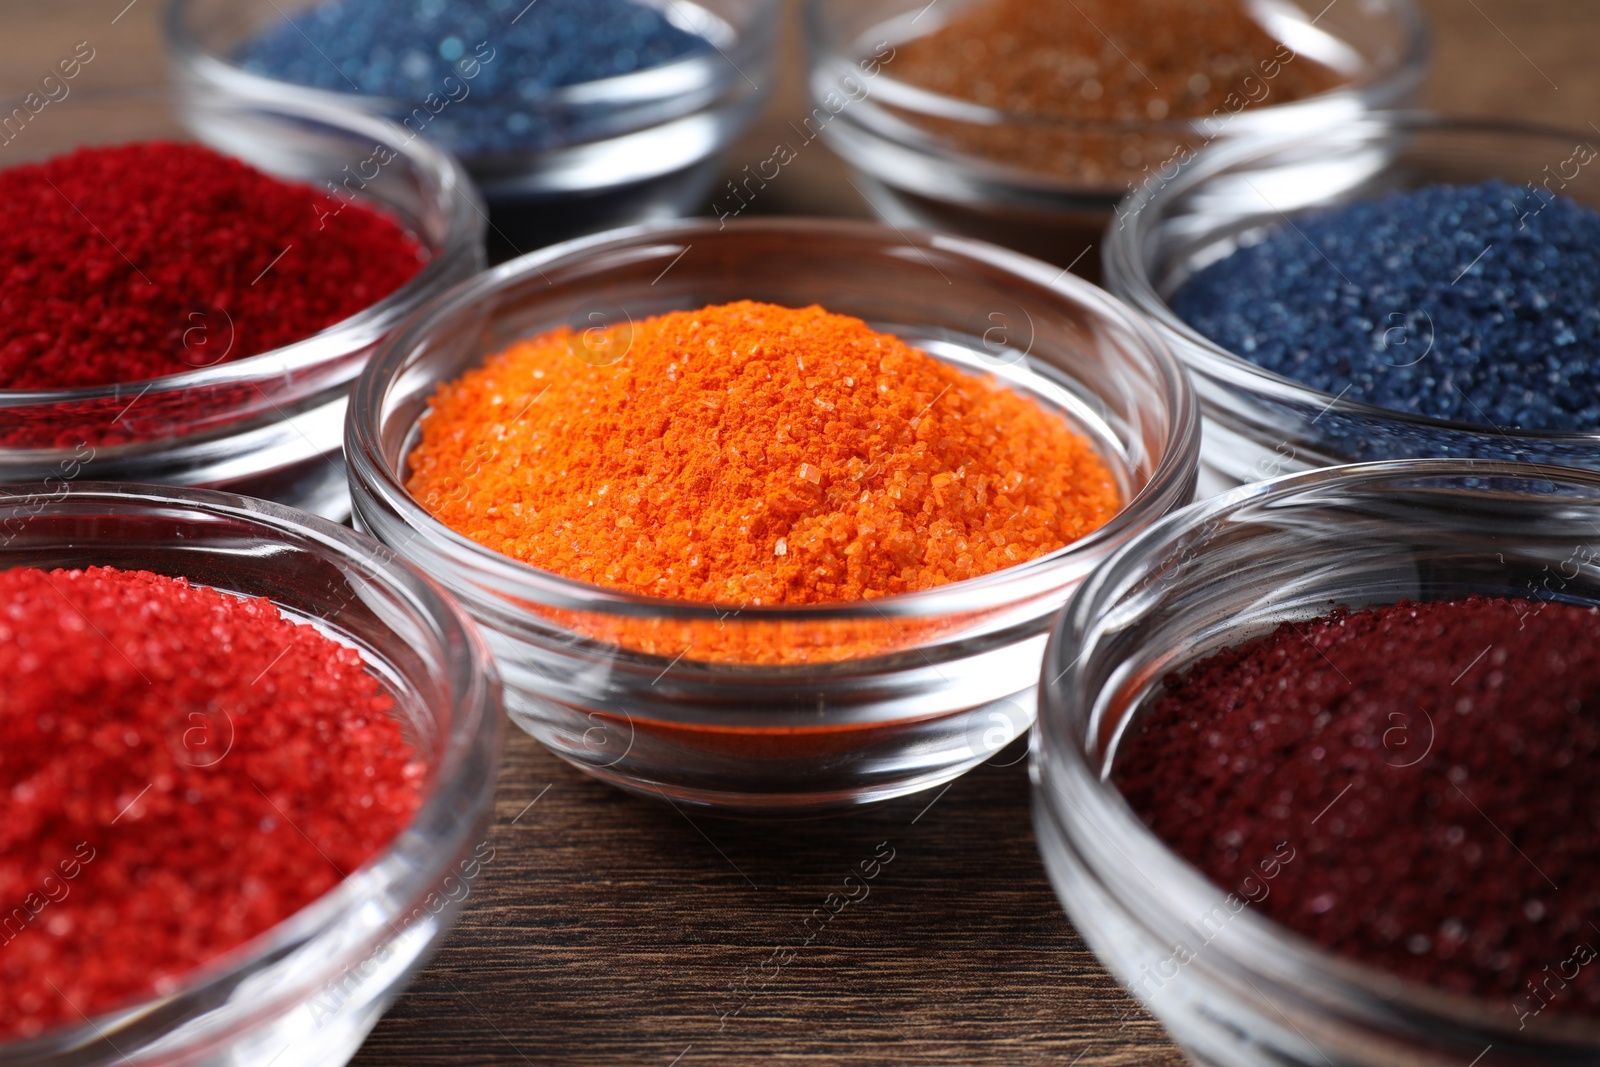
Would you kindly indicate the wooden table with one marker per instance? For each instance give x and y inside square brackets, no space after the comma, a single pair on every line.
[609,930]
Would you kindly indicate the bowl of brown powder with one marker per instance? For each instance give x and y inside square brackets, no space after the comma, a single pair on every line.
[1024,123]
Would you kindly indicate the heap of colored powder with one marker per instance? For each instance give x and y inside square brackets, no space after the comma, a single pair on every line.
[1114,60]
[492,66]
[752,454]
[143,260]
[1477,303]
[1104,61]
[1431,769]
[181,770]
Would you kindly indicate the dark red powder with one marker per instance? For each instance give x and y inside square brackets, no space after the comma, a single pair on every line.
[1433,768]
[180,770]
[142,260]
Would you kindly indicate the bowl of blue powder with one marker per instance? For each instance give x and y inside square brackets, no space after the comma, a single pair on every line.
[571,115]
[1406,286]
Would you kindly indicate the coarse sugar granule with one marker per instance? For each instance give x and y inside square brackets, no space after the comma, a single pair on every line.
[1104,61]
[1475,303]
[181,769]
[136,261]
[753,454]
[1432,767]
[487,74]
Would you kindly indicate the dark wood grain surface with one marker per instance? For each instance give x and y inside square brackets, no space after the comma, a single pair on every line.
[613,930]
[609,930]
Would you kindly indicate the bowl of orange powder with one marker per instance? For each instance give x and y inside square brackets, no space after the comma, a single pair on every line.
[769,516]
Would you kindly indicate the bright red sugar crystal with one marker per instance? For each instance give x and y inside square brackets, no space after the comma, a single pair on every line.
[142,260]
[1433,768]
[180,770]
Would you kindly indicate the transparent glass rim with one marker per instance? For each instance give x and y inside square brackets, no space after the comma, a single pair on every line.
[1059,761]
[1131,233]
[829,51]
[467,224]
[488,567]
[676,77]
[414,860]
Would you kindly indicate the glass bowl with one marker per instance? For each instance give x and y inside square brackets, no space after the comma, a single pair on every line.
[634,148]
[308,990]
[1215,575]
[1257,423]
[269,425]
[882,697]
[925,159]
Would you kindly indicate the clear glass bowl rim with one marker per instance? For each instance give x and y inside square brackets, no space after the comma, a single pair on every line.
[635,87]
[1127,277]
[415,859]
[467,225]
[367,466]
[824,51]
[1055,752]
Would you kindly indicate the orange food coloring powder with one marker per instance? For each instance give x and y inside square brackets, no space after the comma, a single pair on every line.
[749,454]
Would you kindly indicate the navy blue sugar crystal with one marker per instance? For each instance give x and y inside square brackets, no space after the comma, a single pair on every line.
[1477,303]
[477,75]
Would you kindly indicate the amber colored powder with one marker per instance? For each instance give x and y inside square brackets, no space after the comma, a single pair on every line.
[1104,61]
[752,454]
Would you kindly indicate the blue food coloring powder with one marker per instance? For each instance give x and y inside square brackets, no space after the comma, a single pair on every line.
[1476,303]
[482,72]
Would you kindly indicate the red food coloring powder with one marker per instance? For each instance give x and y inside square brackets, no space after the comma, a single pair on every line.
[180,769]
[138,261]
[1431,765]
